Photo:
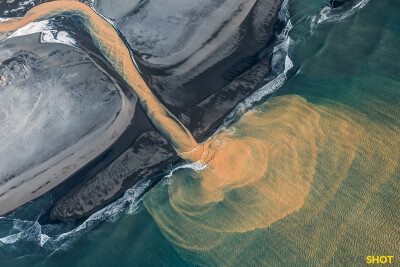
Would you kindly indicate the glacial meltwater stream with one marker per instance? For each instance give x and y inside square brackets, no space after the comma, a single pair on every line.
[306,177]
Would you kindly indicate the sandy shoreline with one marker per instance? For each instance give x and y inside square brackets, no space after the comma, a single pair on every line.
[201,123]
[201,118]
[38,180]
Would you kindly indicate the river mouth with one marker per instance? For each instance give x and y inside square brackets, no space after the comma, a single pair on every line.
[255,66]
[323,129]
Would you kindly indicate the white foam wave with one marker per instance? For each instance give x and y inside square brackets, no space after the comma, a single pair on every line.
[56,236]
[11,238]
[131,199]
[4,19]
[196,166]
[280,65]
[330,14]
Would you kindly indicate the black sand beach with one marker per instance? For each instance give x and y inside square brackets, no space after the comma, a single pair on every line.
[206,100]
[201,100]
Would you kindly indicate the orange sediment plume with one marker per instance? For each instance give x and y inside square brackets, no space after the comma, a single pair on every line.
[257,175]
[285,167]
[287,159]
[106,38]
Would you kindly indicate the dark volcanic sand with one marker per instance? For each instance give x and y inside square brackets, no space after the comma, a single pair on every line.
[57,108]
[201,103]
[150,154]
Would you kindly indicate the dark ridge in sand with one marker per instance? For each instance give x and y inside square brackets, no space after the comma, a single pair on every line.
[64,136]
[148,154]
[181,85]
[202,99]
[209,113]
[124,172]
[201,104]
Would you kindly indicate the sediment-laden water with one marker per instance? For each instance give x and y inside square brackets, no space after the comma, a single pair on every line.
[306,176]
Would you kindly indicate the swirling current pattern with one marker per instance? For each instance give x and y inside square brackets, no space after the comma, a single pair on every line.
[263,171]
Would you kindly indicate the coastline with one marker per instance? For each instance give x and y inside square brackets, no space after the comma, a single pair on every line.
[202,119]
[36,181]
[205,125]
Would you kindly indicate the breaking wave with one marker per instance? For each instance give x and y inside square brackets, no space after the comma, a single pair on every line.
[50,237]
[280,65]
[29,234]
[331,14]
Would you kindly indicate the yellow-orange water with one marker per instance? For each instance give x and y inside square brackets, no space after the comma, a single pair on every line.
[265,170]
[287,159]
[115,51]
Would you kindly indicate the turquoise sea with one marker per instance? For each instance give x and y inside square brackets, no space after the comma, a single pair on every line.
[342,62]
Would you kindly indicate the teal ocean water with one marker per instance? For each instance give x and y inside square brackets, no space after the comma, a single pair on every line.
[335,80]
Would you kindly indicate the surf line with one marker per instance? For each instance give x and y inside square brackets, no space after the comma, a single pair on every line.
[112,46]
